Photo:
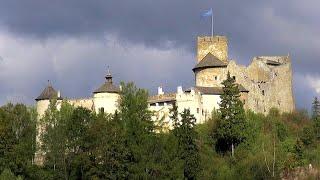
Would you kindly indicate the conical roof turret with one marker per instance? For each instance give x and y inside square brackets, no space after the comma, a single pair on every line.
[108,86]
[48,93]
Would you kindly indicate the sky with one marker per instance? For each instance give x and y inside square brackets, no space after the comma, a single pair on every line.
[152,43]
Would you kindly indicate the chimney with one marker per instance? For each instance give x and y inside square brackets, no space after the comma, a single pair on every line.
[179,90]
[160,91]
[192,91]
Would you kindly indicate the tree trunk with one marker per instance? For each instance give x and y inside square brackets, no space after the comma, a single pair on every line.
[274,156]
[232,149]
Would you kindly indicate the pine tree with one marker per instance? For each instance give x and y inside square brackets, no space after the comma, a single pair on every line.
[231,123]
[315,108]
[186,135]
[316,116]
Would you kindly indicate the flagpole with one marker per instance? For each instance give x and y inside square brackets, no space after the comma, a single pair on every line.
[211,23]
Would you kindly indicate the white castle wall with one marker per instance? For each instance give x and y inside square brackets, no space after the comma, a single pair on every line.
[108,101]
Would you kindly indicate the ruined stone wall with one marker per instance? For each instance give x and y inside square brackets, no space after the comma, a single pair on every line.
[269,85]
[216,45]
[268,78]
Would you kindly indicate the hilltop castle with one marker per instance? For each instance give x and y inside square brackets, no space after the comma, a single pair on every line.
[265,83]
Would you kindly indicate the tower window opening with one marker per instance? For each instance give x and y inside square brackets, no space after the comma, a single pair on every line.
[198,110]
[263,92]
[233,77]
[216,78]
[101,110]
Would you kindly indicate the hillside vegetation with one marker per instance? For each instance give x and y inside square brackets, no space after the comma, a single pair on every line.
[233,144]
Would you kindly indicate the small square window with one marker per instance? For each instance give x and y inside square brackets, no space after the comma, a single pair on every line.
[216,78]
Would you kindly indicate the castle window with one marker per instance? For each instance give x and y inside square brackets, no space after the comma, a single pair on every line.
[234,78]
[216,78]
[161,103]
[263,92]
[153,104]
[198,110]
[101,110]
[244,101]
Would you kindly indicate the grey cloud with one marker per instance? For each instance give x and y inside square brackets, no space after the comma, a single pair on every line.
[253,28]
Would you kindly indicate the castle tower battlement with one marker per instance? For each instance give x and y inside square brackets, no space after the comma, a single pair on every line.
[216,45]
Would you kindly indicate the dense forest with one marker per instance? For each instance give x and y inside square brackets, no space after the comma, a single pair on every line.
[233,144]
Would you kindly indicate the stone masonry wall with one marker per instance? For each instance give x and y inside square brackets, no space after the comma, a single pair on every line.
[269,85]
[210,77]
[216,45]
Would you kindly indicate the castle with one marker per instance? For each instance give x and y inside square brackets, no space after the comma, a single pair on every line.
[265,83]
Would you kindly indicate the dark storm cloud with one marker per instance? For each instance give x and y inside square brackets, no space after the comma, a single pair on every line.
[253,28]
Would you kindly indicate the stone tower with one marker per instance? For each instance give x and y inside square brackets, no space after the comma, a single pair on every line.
[106,97]
[212,61]
[216,45]
[42,103]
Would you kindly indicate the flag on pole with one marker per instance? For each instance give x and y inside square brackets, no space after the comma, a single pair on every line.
[207,13]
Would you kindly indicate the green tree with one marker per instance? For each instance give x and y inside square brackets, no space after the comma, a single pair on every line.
[17,138]
[140,137]
[315,108]
[184,130]
[307,135]
[78,143]
[107,147]
[8,175]
[316,117]
[231,125]
[54,138]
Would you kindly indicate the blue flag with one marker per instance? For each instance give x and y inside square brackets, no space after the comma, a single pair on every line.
[207,13]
